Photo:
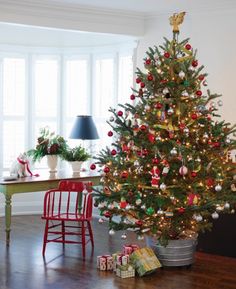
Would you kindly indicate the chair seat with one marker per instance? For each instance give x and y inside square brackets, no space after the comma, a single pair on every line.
[66,217]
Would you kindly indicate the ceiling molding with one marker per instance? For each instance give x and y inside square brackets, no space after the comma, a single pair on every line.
[72,17]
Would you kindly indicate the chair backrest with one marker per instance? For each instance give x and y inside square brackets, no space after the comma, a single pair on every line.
[69,198]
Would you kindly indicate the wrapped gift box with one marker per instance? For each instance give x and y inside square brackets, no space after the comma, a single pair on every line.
[105,263]
[119,259]
[144,261]
[129,249]
[125,271]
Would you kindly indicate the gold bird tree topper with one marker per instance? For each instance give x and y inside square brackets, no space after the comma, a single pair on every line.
[175,20]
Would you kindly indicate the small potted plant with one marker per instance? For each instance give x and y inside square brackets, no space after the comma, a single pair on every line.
[48,144]
[75,156]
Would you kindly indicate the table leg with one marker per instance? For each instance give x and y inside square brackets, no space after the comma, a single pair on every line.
[8,218]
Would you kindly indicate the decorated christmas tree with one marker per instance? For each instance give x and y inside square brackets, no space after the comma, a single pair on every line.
[168,172]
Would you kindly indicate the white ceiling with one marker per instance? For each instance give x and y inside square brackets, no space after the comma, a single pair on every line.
[37,36]
[150,6]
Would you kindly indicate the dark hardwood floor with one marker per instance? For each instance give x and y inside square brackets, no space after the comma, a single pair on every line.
[23,267]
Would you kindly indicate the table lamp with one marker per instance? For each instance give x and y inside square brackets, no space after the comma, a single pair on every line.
[84,128]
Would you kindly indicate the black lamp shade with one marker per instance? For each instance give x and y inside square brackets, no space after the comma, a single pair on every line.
[84,128]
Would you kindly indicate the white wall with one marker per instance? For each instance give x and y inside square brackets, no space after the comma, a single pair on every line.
[212,33]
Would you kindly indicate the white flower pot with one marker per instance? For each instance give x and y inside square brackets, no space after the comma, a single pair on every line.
[52,163]
[76,166]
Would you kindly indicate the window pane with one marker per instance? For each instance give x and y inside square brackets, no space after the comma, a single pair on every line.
[125,78]
[104,87]
[14,141]
[46,87]
[13,86]
[77,98]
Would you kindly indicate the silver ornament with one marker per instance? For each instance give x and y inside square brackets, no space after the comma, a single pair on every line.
[218,188]
[220,102]
[184,93]
[163,187]
[228,140]
[160,212]
[111,119]
[147,107]
[215,215]
[174,152]
[143,207]
[170,111]
[186,130]
[128,207]
[112,232]
[206,135]
[124,236]
[198,160]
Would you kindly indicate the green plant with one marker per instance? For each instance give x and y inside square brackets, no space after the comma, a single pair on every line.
[48,143]
[74,154]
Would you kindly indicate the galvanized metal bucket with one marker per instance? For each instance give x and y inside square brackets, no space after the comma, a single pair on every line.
[176,253]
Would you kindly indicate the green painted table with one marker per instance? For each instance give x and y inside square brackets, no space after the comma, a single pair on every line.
[44,182]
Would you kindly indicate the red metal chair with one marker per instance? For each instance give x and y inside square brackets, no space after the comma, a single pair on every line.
[68,212]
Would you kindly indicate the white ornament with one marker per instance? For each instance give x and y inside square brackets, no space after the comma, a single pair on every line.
[160,212]
[198,218]
[165,90]
[138,201]
[218,188]
[228,140]
[111,232]
[110,206]
[124,236]
[181,74]
[100,221]
[227,205]
[143,207]
[112,119]
[147,107]
[186,130]
[163,187]
[128,207]
[215,215]
[140,237]
[183,171]
[185,93]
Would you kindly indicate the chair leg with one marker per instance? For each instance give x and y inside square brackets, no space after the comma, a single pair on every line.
[45,238]
[83,239]
[63,233]
[90,233]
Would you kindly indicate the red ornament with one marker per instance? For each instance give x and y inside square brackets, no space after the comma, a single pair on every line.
[123,204]
[210,182]
[145,152]
[150,77]
[181,210]
[142,84]
[132,96]
[106,170]
[194,116]
[113,152]
[138,80]
[110,133]
[188,46]
[151,137]
[198,93]
[167,55]
[125,148]
[201,77]
[139,223]
[216,144]
[182,126]
[148,61]
[194,63]
[120,113]
[155,161]
[158,105]
[143,127]
[93,167]
[193,174]
[124,175]
[107,214]
[209,117]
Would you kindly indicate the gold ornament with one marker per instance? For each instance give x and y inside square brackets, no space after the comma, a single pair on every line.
[176,20]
